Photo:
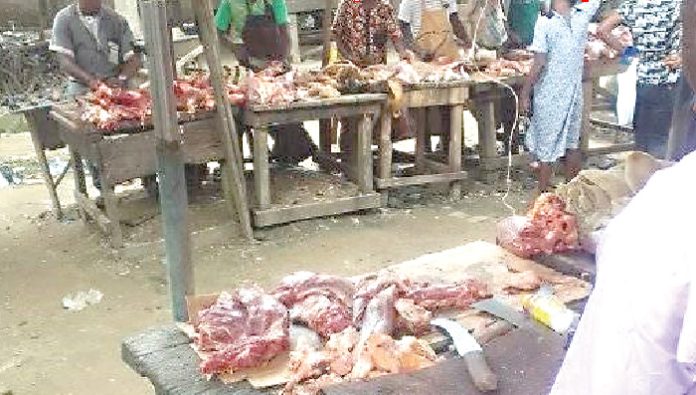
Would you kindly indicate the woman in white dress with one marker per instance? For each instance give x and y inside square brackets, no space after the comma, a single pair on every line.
[556,80]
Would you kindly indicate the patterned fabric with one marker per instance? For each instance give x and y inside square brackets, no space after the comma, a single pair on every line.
[365,34]
[656,30]
[557,106]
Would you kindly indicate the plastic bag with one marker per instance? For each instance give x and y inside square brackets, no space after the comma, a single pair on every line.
[626,98]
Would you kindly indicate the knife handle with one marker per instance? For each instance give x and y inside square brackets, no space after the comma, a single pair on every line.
[481,374]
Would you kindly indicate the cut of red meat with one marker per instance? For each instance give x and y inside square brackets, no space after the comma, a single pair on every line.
[243,329]
[440,296]
[547,229]
[323,302]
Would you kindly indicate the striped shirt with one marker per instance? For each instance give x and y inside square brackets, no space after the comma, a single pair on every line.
[410,11]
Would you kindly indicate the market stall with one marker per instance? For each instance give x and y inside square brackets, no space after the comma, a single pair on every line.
[128,152]
[166,355]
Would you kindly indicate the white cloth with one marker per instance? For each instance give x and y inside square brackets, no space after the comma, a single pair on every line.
[410,11]
[638,333]
[626,98]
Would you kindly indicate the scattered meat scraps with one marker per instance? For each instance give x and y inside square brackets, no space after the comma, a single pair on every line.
[322,302]
[414,319]
[547,229]
[508,68]
[243,329]
[335,360]
[382,355]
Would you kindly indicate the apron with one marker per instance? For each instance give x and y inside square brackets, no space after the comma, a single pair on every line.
[435,35]
[261,35]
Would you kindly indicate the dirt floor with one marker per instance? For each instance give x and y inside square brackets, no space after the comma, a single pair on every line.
[48,350]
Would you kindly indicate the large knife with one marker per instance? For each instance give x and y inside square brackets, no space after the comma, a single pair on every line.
[500,309]
[481,374]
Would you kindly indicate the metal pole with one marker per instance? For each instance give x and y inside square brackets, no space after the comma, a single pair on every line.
[170,157]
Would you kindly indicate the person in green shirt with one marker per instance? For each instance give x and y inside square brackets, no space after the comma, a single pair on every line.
[259,35]
[521,19]
[257,29]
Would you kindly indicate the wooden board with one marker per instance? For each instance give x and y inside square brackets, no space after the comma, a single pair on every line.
[492,265]
[526,364]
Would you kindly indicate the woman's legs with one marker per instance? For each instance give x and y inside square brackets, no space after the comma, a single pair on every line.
[544,176]
[573,163]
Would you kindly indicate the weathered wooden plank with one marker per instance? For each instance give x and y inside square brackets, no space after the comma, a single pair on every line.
[455,148]
[421,115]
[612,149]
[385,146]
[487,138]
[526,363]
[112,212]
[396,182]
[262,176]
[586,128]
[610,125]
[34,125]
[293,32]
[491,164]
[170,157]
[133,156]
[90,208]
[435,97]
[363,164]
[280,215]
[264,118]
[297,6]
[228,130]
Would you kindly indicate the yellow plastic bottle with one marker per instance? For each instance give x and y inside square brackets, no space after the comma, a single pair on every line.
[546,308]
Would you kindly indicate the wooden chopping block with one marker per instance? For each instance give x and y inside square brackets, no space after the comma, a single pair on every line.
[525,361]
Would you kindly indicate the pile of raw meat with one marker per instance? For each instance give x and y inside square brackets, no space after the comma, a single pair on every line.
[508,68]
[596,47]
[109,108]
[547,229]
[350,78]
[368,326]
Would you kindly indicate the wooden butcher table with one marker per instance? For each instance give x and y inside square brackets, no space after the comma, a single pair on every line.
[124,155]
[366,108]
[417,98]
[526,362]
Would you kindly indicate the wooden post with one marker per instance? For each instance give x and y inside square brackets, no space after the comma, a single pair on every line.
[262,175]
[30,116]
[326,125]
[363,163]
[455,148]
[294,33]
[228,130]
[421,123]
[487,146]
[170,156]
[586,126]
[385,144]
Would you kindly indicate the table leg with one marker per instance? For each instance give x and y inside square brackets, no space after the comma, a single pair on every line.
[293,33]
[363,163]
[262,176]
[420,115]
[385,148]
[586,128]
[79,179]
[487,142]
[455,148]
[43,163]
[325,137]
[111,207]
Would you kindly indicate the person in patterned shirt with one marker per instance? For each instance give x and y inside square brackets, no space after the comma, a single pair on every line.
[656,30]
[362,29]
